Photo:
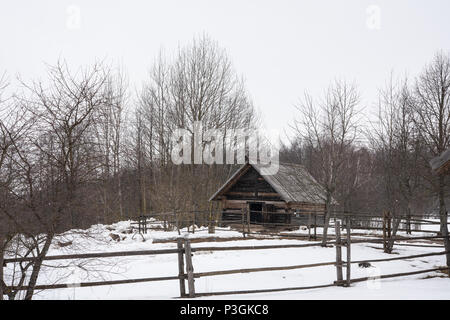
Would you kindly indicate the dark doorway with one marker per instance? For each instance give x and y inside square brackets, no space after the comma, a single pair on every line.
[256,215]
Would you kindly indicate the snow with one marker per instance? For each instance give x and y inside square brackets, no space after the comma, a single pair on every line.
[97,239]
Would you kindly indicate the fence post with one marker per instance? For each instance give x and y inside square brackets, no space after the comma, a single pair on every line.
[337,227]
[212,222]
[349,243]
[181,273]
[243,222]
[189,268]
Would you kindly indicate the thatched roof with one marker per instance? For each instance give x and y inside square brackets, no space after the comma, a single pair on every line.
[441,164]
[292,182]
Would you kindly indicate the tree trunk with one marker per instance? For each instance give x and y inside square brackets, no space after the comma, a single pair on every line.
[212,223]
[37,268]
[408,220]
[326,221]
[119,191]
[391,241]
[2,241]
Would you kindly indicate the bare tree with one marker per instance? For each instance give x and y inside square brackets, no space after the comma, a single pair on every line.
[329,128]
[5,144]
[432,119]
[198,85]
[54,165]
[14,126]
[109,133]
[398,150]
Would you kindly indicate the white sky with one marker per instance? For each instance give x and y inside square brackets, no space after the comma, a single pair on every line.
[282,48]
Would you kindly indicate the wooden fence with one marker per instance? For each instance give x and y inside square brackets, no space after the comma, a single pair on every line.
[339,243]
[186,272]
[310,220]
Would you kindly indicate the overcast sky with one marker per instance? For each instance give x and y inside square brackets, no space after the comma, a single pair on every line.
[281,48]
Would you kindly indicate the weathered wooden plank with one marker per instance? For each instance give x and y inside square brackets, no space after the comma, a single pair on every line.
[304,266]
[402,257]
[189,268]
[181,273]
[402,274]
[338,253]
[262,269]
[349,244]
[96,255]
[242,203]
[242,194]
[417,245]
[385,235]
[263,290]
[94,284]
[237,248]
[397,238]
[268,194]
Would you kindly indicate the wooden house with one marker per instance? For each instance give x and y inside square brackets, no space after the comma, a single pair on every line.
[269,199]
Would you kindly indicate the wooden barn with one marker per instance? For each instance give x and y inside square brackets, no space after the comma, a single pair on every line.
[269,199]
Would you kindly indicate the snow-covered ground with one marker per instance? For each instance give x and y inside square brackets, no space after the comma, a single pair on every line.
[420,286]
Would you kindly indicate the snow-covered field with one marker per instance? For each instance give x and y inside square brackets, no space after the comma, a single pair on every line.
[420,286]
